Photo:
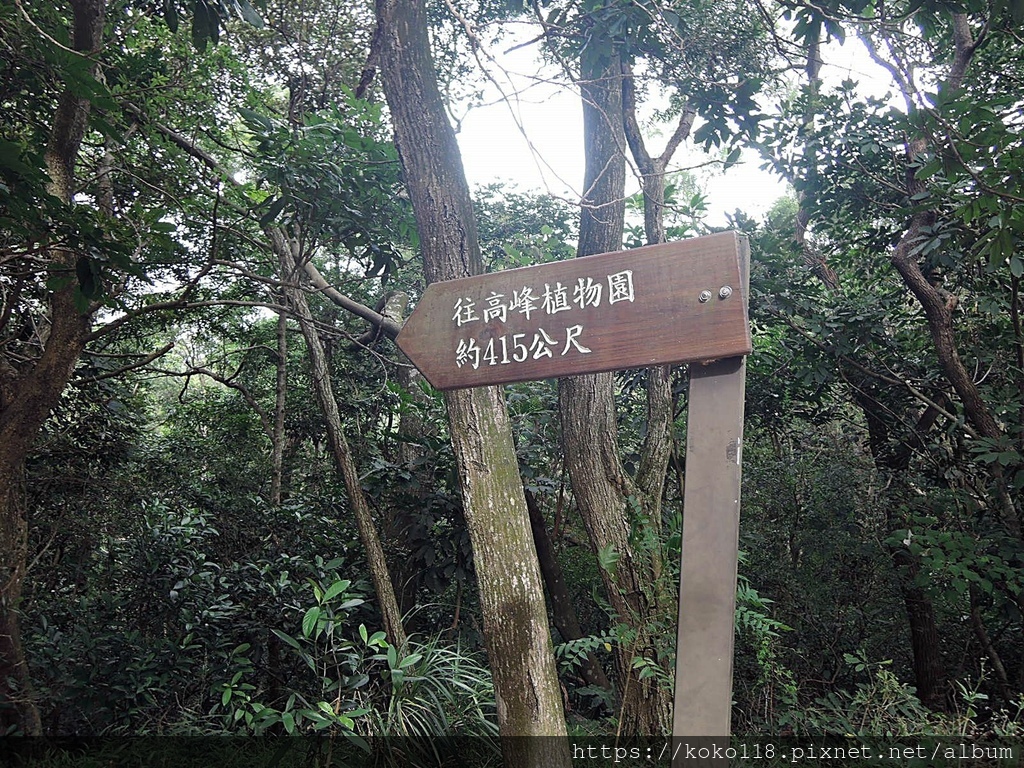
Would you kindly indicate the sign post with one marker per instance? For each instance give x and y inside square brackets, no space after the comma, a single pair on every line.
[710,549]
[680,302]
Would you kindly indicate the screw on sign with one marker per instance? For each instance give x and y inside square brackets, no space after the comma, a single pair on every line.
[656,305]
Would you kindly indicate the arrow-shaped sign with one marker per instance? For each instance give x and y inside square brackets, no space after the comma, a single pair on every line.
[661,304]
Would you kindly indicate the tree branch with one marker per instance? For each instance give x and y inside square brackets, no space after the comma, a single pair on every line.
[131,367]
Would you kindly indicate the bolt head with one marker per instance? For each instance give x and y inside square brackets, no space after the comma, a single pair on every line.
[704,297]
[725,292]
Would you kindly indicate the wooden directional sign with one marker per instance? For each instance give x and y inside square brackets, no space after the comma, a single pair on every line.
[671,303]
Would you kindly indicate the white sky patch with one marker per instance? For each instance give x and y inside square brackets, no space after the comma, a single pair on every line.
[536,140]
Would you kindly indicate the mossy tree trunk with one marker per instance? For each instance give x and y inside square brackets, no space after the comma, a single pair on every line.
[508,576]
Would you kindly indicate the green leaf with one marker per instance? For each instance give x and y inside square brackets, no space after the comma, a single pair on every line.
[1016,265]
[287,639]
[929,170]
[256,121]
[250,15]
[335,589]
[608,558]
[205,25]
[272,213]
[358,740]
[10,158]
[409,660]
[309,621]
[57,283]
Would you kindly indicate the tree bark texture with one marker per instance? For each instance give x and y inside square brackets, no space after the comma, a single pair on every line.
[652,169]
[602,490]
[929,667]
[508,576]
[30,390]
[657,445]
[414,434]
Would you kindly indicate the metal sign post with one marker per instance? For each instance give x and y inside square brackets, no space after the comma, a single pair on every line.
[707,584]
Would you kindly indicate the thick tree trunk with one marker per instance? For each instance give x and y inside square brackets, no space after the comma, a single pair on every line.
[29,391]
[929,667]
[589,430]
[508,576]
[26,402]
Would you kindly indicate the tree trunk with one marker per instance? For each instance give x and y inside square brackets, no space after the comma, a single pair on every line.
[603,492]
[657,446]
[29,391]
[981,633]
[562,611]
[414,435]
[508,576]
[324,391]
[939,304]
[17,706]
[277,437]
[929,667]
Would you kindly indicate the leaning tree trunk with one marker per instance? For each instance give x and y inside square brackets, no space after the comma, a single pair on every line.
[563,612]
[324,391]
[589,430]
[30,390]
[940,305]
[508,577]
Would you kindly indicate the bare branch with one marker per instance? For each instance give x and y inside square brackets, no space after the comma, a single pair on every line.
[133,366]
